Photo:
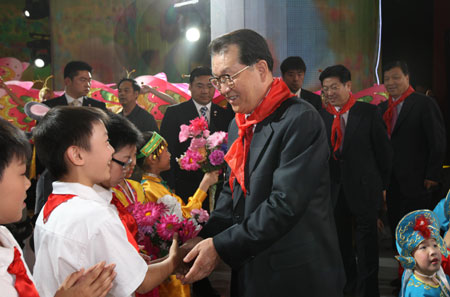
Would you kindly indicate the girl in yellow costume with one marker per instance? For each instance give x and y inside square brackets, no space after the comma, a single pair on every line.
[154,158]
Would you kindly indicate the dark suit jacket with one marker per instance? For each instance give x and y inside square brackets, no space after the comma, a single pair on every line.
[312,98]
[87,101]
[185,182]
[280,239]
[364,164]
[419,142]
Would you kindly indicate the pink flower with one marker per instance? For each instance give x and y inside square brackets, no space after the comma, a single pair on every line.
[147,214]
[184,133]
[197,126]
[190,160]
[187,231]
[200,215]
[197,142]
[167,227]
[216,139]
[216,157]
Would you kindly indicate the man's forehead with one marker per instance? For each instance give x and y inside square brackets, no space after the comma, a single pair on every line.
[394,70]
[83,73]
[223,61]
[331,81]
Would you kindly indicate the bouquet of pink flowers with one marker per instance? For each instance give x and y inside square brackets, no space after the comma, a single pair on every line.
[157,222]
[206,151]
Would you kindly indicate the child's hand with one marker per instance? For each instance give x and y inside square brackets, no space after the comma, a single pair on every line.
[95,282]
[175,256]
[209,179]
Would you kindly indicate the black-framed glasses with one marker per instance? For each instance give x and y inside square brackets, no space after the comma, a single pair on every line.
[226,79]
[124,165]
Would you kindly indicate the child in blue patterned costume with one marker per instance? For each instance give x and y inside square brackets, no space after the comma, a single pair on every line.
[420,250]
[442,211]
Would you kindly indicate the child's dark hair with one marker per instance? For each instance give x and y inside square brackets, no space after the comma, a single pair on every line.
[14,144]
[62,127]
[122,132]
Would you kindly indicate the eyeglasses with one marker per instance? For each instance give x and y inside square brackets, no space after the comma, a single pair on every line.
[124,165]
[226,79]
[333,88]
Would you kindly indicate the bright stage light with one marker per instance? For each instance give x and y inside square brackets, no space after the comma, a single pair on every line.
[39,63]
[193,34]
[180,4]
[26,13]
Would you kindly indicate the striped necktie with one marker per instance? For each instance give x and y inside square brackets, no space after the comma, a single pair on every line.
[204,112]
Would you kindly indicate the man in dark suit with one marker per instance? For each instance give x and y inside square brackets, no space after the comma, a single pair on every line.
[359,169]
[77,79]
[416,128]
[273,223]
[185,182]
[128,94]
[293,70]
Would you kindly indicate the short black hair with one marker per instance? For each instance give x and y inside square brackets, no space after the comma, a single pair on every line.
[292,63]
[339,71]
[71,69]
[199,71]
[252,47]
[399,63]
[14,144]
[134,84]
[62,127]
[122,132]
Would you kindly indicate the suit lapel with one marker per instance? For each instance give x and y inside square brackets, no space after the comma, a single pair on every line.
[406,108]
[191,112]
[260,140]
[352,123]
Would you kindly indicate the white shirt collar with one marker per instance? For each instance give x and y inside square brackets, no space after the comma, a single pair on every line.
[70,98]
[95,193]
[298,92]
[198,106]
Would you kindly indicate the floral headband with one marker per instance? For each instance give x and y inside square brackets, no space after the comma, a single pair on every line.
[155,146]
[414,228]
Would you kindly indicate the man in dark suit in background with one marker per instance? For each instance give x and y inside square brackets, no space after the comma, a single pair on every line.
[128,91]
[293,70]
[77,79]
[273,223]
[359,169]
[185,182]
[416,128]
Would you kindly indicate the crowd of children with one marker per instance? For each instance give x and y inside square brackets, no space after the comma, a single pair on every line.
[85,239]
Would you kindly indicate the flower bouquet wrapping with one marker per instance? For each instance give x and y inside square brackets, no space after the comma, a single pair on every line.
[206,151]
[157,223]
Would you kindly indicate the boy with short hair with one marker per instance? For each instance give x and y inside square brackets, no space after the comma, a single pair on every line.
[17,279]
[78,224]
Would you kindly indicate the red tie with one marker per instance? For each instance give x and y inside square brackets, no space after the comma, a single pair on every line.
[24,286]
[127,220]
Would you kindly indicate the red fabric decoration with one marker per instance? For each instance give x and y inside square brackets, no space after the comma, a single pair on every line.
[53,201]
[127,220]
[238,152]
[421,226]
[23,284]
[389,113]
[336,130]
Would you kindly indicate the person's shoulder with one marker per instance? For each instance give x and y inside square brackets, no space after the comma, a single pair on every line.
[365,106]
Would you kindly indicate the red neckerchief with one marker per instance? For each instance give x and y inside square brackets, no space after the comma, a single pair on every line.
[127,220]
[53,201]
[336,131]
[238,152]
[389,113]
[23,284]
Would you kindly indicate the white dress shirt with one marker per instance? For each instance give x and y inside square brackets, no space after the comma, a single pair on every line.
[81,232]
[6,257]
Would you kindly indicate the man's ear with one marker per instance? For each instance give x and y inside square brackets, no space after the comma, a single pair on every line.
[75,155]
[67,81]
[262,68]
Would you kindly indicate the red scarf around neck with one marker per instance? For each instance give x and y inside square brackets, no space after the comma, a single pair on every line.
[238,152]
[54,200]
[336,129]
[389,113]
[23,284]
